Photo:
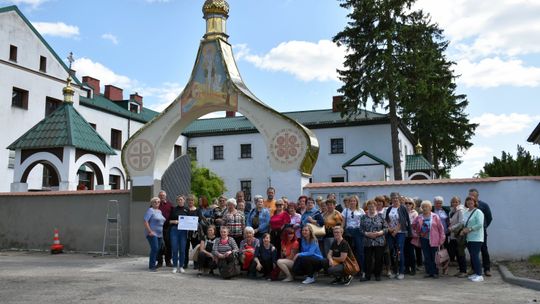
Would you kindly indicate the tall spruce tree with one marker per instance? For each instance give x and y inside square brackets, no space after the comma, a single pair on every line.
[396,60]
[430,105]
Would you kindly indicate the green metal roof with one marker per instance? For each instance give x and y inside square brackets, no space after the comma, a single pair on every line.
[417,162]
[64,127]
[100,102]
[313,119]
[16,9]
[365,153]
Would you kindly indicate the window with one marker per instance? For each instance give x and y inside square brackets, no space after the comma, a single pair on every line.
[11,160]
[218,152]
[192,152]
[114,182]
[116,139]
[336,145]
[134,108]
[43,64]
[245,186]
[49,177]
[245,151]
[177,151]
[51,104]
[19,98]
[338,179]
[93,125]
[13,53]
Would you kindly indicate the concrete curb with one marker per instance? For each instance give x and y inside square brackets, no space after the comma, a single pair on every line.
[523,282]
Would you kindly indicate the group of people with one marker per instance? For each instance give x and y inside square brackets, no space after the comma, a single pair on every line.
[280,239]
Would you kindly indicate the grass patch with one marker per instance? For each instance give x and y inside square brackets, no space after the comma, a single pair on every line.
[535,259]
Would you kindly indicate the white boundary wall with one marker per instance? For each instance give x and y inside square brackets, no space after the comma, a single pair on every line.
[514,203]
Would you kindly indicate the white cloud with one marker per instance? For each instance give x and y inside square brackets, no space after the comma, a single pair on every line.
[492,125]
[476,153]
[112,38]
[155,98]
[495,27]
[489,39]
[305,60]
[87,67]
[58,29]
[494,72]
[32,3]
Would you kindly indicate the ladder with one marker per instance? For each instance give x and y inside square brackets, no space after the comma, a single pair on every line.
[112,237]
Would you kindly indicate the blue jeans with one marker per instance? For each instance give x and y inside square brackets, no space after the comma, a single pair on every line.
[399,241]
[429,257]
[155,244]
[178,245]
[357,239]
[474,251]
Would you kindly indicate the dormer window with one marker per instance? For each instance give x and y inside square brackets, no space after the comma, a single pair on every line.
[134,107]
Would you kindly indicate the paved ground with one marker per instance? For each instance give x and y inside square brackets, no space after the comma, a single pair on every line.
[30,277]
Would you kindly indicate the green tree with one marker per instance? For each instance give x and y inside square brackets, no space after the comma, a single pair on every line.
[429,105]
[523,165]
[205,182]
[396,60]
[374,60]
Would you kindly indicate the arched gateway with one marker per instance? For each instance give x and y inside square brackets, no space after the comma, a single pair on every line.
[216,85]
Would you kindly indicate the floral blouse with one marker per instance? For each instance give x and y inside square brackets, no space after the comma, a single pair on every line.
[373,224]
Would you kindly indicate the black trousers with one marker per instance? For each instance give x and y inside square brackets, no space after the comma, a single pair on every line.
[307,266]
[165,250]
[410,259]
[194,242]
[373,257]
[206,262]
[486,263]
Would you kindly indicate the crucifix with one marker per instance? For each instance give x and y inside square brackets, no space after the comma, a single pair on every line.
[70,59]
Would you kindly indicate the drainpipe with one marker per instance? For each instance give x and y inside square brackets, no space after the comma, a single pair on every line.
[346,174]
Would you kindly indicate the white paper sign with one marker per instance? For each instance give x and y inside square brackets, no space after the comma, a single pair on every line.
[188,222]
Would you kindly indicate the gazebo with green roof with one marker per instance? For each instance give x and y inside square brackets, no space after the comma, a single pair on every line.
[62,142]
[417,167]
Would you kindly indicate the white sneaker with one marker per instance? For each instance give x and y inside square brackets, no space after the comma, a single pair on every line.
[181,270]
[400,276]
[308,280]
[390,275]
[472,277]
[174,270]
[287,279]
[478,278]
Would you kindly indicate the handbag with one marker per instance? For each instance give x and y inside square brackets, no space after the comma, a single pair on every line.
[442,256]
[318,231]
[350,265]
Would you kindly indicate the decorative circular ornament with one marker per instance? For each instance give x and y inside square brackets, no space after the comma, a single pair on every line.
[140,154]
[287,147]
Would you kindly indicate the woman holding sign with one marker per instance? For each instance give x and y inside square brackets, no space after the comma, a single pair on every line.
[178,237]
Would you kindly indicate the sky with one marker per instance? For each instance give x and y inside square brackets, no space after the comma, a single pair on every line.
[285,54]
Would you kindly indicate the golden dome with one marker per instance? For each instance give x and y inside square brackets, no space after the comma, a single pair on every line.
[215,7]
[418,148]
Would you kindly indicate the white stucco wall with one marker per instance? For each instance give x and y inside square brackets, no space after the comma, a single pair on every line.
[24,74]
[514,204]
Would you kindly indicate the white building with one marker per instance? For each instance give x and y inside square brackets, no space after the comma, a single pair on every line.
[357,150]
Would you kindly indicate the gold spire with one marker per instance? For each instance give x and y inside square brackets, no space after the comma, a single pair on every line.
[216,13]
[68,91]
[418,148]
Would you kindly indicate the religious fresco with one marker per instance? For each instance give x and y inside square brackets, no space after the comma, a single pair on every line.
[210,85]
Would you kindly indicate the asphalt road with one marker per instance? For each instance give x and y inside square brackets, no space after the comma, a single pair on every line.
[36,277]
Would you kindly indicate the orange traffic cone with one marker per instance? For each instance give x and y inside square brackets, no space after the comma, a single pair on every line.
[56,246]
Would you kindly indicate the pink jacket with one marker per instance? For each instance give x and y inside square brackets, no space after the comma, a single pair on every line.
[436,233]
